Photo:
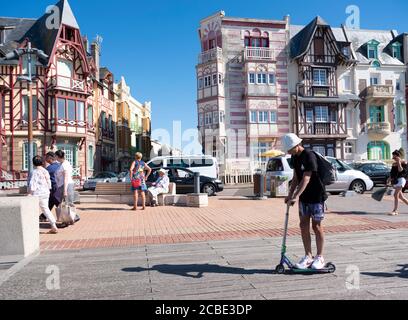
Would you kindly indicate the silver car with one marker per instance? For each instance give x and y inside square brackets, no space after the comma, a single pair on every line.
[102,177]
[347,177]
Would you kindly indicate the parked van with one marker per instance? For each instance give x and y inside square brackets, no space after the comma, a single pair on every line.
[205,165]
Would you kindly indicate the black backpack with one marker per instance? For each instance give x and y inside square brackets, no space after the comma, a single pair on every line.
[326,171]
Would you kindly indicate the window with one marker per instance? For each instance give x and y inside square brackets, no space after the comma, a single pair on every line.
[377,114]
[346,51]
[222,116]
[220,78]
[320,77]
[376,64]
[271,78]
[372,49]
[400,113]
[215,117]
[71,110]
[396,50]
[208,118]
[349,148]
[212,44]
[200,83]
[90,157]
[201,162]
[207,81]
[80,111]
[103,118]
[333,116]
[349,118]
[273,117]
[274,165]
[254,117]
[262,78]
[24,115]
[25,70]
[378,150]
[398,86]
[347,83]
[252,78]
[25,154]
[61,109]
[214,79]
[322,114]
[70,153]
[257,42]
[90,115]
[200,119]
[263,117]
[320,149]
[309,116]
[374,80]
[65,73]
[110,123]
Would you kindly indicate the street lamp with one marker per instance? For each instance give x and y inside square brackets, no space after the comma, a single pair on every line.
[30,78]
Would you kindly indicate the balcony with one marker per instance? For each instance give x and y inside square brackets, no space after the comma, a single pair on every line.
[321,129]
[264,54]
[67,83]
[379,130]
[210,55]
[380,92]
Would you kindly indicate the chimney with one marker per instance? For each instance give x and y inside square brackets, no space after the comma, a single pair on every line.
[96,55]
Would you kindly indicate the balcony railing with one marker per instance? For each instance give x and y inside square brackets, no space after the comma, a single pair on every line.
[210,55]
[383,128]
[259,54]
[76,172]
[68,83]
[325,128]
[380,91]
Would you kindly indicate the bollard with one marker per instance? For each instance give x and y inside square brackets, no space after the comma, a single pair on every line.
[197,188]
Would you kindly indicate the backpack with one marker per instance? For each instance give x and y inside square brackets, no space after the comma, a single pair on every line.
[326,171]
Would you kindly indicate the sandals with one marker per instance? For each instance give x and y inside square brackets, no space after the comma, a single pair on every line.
[53,231]
[394,213]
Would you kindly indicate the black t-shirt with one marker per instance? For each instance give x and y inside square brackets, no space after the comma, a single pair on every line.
[315,191]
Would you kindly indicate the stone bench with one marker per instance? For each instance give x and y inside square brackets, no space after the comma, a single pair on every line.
[19,227]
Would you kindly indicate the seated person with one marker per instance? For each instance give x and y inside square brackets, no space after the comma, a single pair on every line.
[160,186]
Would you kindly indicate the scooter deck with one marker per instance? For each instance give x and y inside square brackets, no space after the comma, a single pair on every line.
[326,269]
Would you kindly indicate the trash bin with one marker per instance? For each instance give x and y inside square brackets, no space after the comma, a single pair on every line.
[279,186]
[259,184]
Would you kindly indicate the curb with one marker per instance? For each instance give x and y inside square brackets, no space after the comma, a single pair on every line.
[17,267]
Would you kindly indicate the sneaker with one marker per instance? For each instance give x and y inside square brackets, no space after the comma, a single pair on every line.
[318,263]
[305,263]
[394,213]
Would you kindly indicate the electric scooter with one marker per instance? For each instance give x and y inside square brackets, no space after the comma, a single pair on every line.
[280,269]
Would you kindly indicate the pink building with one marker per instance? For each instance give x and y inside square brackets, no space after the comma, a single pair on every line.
[242,85]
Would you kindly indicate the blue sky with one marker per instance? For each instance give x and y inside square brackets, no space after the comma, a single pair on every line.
[155,44]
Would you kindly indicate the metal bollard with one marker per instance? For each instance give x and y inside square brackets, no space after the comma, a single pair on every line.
[197,188]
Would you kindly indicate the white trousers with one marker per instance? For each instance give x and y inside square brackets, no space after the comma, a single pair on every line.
[46,211]
[156,191]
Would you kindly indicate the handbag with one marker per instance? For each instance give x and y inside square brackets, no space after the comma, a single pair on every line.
[379,194]
[67,213]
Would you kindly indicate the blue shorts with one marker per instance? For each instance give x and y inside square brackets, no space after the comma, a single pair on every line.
[313,210]
[142,188]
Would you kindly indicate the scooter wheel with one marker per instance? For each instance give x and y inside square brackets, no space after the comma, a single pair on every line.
[331,267]
[280,269]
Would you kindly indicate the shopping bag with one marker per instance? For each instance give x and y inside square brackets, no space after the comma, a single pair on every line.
[379,194]
[67,213]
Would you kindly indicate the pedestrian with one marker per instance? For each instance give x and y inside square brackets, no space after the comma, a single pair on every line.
[160,186]
[398,180]
[56,172]
[40,186]
[138,179]
[69,184]
[308,189]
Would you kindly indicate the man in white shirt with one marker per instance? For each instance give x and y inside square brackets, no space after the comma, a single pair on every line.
[69,184]
[159,187]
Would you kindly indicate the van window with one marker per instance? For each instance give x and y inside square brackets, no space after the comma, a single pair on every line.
[275,165]
[202,162]
[178,162]
[156,164]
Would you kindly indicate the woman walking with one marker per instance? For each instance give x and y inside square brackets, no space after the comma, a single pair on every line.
[138,179]
[40,186]
[398,180]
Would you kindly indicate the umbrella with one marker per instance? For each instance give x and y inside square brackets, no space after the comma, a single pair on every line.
[272,154]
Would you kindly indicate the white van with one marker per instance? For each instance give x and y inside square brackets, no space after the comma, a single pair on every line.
[206,165]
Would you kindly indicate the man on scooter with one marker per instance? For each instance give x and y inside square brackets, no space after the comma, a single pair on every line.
[308,189]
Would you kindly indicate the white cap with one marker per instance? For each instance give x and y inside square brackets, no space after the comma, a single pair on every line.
[290,141]
[162,171]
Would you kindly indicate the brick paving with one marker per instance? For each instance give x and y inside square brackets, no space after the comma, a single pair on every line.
[226,218]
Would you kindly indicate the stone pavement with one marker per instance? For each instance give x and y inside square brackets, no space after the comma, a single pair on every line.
[107,225]
[370,265]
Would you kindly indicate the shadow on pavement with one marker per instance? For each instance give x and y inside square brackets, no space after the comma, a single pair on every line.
[103,209]
[402,273]
[199,270]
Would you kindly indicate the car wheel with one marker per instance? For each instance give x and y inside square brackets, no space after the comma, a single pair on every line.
[209,189]
[358,186]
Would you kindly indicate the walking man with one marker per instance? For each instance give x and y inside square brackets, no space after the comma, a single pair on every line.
[310,192]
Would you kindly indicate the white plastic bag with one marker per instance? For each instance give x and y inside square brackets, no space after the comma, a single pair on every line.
[67,213]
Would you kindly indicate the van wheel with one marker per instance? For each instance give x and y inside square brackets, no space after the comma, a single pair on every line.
[358,186]
[209,189]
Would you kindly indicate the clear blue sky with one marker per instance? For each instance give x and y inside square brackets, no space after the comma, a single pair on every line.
[155,44]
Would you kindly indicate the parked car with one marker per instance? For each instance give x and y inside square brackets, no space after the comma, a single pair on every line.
[102,177]
[205,165]
[348,178]
[379,172]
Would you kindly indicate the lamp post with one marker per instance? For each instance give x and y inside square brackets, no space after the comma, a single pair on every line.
[30,78]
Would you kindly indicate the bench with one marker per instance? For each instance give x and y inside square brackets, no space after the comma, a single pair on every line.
[113,189]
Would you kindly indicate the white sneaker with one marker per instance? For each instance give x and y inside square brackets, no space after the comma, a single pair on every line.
[318,263]
[304,263]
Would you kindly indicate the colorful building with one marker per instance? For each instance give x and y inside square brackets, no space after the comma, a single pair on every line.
[242,88]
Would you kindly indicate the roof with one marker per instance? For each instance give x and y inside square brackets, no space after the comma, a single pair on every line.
[38,31]
[360,38]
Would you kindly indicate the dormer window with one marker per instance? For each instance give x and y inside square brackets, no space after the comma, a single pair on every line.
[346,51]
[396,50]
[372,49]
